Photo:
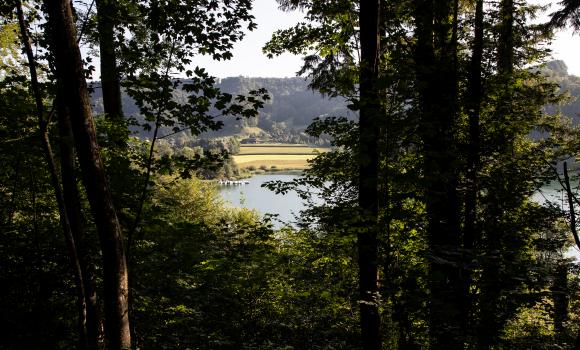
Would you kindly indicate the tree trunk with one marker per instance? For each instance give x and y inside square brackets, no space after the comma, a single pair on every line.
[368,173]
[437,88]
[560,294]
[110,83]
[43,124]
[70,73]
[473,105]
[570,197]
[73,207]
[505,51]
[490,320]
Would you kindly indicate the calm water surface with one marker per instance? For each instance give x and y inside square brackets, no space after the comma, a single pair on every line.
[554,194]
[286,206]
[254,196]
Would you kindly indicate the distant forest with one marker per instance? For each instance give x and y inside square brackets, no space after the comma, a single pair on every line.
[557,71]
[293,106]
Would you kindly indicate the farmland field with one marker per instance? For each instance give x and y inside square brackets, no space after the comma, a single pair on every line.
[275,149]
[279,156]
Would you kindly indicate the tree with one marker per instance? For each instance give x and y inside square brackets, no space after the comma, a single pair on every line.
[473,103]
[369,116]
[70,233]
[73,204]
[70,73]
[436,72]
[570,12]
[107,14]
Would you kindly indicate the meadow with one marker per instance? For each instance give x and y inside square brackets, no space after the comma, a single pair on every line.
[276,156]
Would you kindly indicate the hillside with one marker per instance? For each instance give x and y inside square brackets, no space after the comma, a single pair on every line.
[291,103]
[291,108]
[558,72]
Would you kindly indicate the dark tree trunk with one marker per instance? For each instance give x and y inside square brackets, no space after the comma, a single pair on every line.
[437,88]
[110,82]
[43,123]
[570,197]
[370,113]
[70,73]
[491,320]
[73,207]
[561,302]
[473,105]
[505,51]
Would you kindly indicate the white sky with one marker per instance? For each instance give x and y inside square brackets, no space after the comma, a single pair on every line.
[248,59]
[565,45]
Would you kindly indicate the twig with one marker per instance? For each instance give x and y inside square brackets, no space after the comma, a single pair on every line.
[85,22]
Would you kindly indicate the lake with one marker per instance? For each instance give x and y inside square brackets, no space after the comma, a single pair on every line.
[254,196]
[554,194]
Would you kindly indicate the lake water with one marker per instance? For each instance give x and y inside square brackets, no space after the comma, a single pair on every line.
[254,196]
[554,194]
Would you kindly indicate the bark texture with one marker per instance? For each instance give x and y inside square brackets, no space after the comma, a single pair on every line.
[43,124]
[70,73]
[73,207]
[110,83]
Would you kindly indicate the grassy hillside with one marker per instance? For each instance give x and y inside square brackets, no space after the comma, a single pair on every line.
[276,156]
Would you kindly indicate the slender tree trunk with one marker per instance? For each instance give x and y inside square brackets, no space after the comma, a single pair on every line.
[560,297]
[437,88]
[110,82]
[149,165]
[368,173]
[73,207]
[570,197]
[505,51]
[43,123]
[70,73]
[473,104]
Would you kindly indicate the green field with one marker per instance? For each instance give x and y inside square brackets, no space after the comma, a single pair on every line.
[278,156]
[279,149]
